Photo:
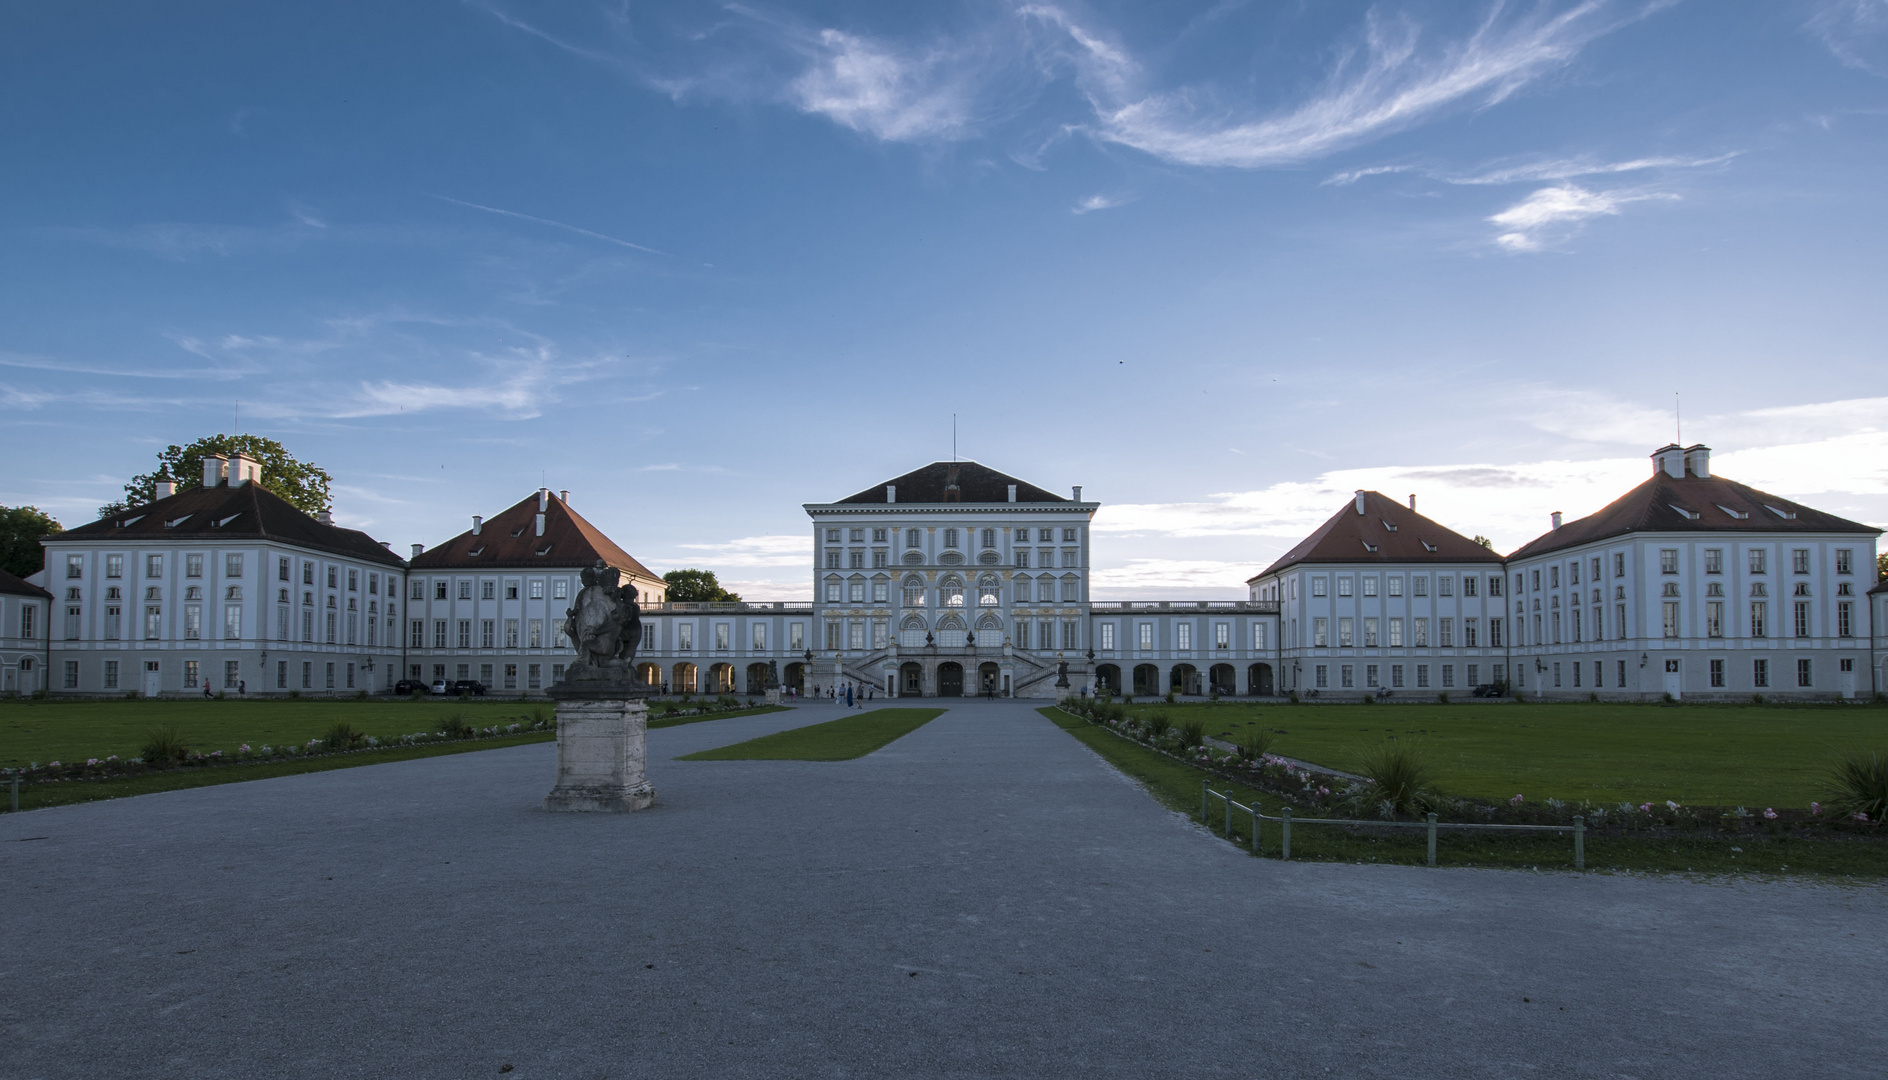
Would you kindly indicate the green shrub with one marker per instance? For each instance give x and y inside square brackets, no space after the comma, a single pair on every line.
[1292,696]
[1254,743]
[538,717]
[455,727]
[343,736]
[1170,697]
[1158,724]
[1756,699]
[164,746]
[1859,785]
[1192,733]
[1443,697]
[1401,780]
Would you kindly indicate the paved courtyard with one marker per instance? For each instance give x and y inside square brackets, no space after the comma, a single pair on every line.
[984,897]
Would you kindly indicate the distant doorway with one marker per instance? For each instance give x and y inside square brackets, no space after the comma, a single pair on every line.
[911,679]
[1260,676]
[950,679]
[1108,679]
[988,675]
[1146,680]
[1222,681]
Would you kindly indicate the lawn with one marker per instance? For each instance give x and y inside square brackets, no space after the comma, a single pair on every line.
[75,730]
[1700,755]
[1176,784]
[835,740]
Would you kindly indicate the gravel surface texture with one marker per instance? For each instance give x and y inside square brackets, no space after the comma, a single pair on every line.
[983,897]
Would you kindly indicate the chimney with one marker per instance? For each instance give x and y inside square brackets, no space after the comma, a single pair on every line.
[1698,460]
[891,493]
[166,488]
[540,524]
[564,497]
[1670,460]
[478,523]
[324,517]
[244,469]
[1556,519]
[215,468]
[1360,502]
[388,544]
[544,501]
[1012,492]
[417,548]
[1412,504]
[1078,493]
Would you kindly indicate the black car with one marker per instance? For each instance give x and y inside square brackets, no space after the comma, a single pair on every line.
[409,686]
[1491,690]
[467,686]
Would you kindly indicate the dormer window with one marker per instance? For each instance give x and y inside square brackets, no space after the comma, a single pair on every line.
[1740,515]
[1427,546]
[1370,547]
[1387,527]
[543,551]
[1688,515]
[1787,515]
[476,552]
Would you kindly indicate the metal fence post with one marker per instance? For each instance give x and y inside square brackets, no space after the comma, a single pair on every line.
[1432,838]
[1284,828]
[1203,793]
[1255,827]
[1228,808]
[1579,842]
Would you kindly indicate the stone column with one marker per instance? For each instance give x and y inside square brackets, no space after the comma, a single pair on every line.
[601,754]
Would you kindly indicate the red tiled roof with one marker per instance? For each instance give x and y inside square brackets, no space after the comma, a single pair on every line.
[224,513]
[1709,504]
[955,481]
[13,585]
[510,540]
[1350,537]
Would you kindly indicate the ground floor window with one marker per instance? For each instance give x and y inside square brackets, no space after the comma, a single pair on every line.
[1759,673]
[1576,674]
[1396,676]
[1323,674]
[1803,673]
[190,673]
[1422,676]
[72,674]
[281,674]
[1347,676]
[1717,673]
[308,675]
[328,681]
[1370,675]
[557,674]
[1448,675]
[534,676]
[1622,674]
[232,673]
[1474,675]
[485,674]
[511,676]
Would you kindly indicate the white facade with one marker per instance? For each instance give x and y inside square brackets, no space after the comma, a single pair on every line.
[23,639]
[503,627]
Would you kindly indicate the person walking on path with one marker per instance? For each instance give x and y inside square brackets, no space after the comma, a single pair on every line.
[848,695]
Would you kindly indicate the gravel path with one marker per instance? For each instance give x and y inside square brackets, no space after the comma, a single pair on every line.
[983,897]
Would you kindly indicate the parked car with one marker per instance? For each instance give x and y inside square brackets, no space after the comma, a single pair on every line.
[439,687]
[409,686]
[467,686]
[1489,690]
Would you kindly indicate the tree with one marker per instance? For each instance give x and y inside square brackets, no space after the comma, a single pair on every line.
[20,530]
[303,484]
[1484,541]
[696,586]
[1881,567]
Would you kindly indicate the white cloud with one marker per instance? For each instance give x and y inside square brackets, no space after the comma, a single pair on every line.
[872,88]
[1855,31]
[1533,171]
[1098,202]
[547,221]
[1550,213]
[793,550]
[1387,83]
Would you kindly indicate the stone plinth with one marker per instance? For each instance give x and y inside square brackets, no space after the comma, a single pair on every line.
[601,754]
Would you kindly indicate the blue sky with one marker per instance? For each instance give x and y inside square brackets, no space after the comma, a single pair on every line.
[1219,263]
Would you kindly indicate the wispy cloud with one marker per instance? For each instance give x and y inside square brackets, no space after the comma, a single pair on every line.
[1533,171]
[184,241]
[794,550]
[553,224]
[1855,31]
[1386,82]
[891,94]
[1551,214]
[1099,202]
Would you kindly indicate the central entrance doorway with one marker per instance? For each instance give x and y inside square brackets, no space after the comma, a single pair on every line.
[950,679]
[911,679]
[987,679]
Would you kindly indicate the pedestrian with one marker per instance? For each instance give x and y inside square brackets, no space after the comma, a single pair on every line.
[242,687]
[848,695]
[206,689]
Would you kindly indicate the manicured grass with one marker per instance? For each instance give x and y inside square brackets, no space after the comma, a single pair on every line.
[1699,755]
[45,731]
[678,721]
[61,793]
[1176,785]
[835,740]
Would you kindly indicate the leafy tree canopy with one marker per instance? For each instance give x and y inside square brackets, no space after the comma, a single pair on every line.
[20,530]
[1484,541]
[696,586]
[303,484]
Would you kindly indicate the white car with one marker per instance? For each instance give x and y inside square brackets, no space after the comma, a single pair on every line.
[439,687]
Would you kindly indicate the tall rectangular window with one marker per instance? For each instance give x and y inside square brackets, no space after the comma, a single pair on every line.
[1396,676]
[1759,559]
[511,633]
[1105,635]
[1422,676]
[1714,560]
[1494,633]
[465,633]
[1803,673]
[1323,676]
[1320,632]
[1714,619]
[1668,560]
[1759,673]
[1845,620]
[1396,633]
[1445,633]
[1799,560]
[1717,674]
[1183,635]
[1671,618]
[1146,635]
[232,623]
[1845,561]
[1370,633]
[1802,618]
[439,633]
[1222,635]
[1344,638]
[1758,623]
[1259,636]
[1471,634]
[1420,636]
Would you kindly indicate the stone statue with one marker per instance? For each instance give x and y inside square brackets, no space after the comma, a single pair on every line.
[604,622]
[1062,674]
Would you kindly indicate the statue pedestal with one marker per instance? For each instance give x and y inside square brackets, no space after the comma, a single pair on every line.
[773,697]
[601,755]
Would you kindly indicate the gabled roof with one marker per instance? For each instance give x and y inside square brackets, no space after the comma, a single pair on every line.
[16,586]
[223,514]
[510,540]
[952,482]
[1705,504]
[1386,532]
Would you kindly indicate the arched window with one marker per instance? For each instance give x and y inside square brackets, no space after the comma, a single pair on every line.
[914,591]
[951,591]
[989,591]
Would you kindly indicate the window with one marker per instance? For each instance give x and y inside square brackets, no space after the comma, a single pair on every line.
[1146,635]
[721,636]
[154,566]
[1494,585]
[1469,584]
[1418,585]
[1422,676]
[1471,631]
[1323,676]
[27,627]
[1320,632]
[950,538]
[1717,673]
[537,589]
[1534,579]
[75,566]
[1258,636]
[232,623]
[856,635]
[114,566]
[72,675]
[832,558]
[560,589]
[1071,590]
[511,676]
[1370,676]
[1022,557]
[1758,560]
[1757,621]
[281,569]
[1419,633]
[1045,535]
[1671,618]
[1105,633]
[857,536]
[760,636]
[439,591]
[416,635]
[855,559]
[1396,633]
[1573,576]
[881,592]
[1802,618]
[684,636]
[855,592]
[1222,635]
[1714,562]
[1714,619]
[111,674]
[832,592]
[1803,673]
[1845,620]
[1845,561]
[1799,560]
[1346,676]
[439,633]
[832,536]
[1445,633]
[1344,638]
[1445,586]
[511,633]
[796,636]
[1448,676]
[1370,585]
[1183,635]
[1370,633]
[1396,676]
[880,558]
[912,539]
[1343,585]
[1759,673]
[511,590]
[1619,564]
[193,566]
[832,634]
[1068,535]
[1319,585]
[465,633]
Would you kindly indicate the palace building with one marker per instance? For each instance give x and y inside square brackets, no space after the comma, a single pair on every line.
[956,579]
